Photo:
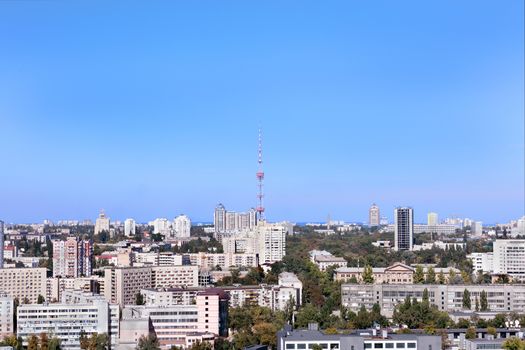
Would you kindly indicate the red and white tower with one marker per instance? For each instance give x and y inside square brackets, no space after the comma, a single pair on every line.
[260,182]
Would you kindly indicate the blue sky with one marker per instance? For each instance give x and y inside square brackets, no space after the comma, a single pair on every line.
[151,109]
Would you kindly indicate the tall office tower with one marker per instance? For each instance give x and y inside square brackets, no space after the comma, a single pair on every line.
[129,227]
[182,226]
[72,257]
[270,242]
[476,228]
[373,216]
[432,219]
[404,228]
[231,221]
[219,218]
[102,223]
[1,244]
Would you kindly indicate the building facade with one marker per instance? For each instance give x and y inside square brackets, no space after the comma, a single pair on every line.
[403,228]
[130,227]
[102,223]
[72,257]
[182,226]
[374,216]
[24,283]
[7,314]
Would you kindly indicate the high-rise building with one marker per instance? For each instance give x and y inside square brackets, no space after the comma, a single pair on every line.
[161,226]
[476,228]
[24,283]
[129,227]
[102,223]
[72,257]
[432,219]
[403,228]
[373,216]
[182,226]
[509,258]
[1,244]
[7,313]
[219,218]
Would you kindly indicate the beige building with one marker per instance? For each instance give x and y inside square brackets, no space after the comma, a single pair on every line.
[24,283]
[175,276]
[102,223]
[397,273]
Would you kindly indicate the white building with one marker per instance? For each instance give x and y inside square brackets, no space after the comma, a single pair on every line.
[432,219]
[271,242]
[373,216]
[161,226]
[102,223]
[1,244]
[78,312]
[477,228]
[182,226]
[129,227]
[509,257]
[7,313]
[482,262]
[323,259]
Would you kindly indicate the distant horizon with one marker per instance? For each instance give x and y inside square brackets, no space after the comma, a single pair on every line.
[150,109]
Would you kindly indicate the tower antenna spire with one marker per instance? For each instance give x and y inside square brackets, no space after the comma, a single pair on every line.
[260,180]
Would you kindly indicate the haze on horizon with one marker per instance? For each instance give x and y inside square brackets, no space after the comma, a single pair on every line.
[151,109]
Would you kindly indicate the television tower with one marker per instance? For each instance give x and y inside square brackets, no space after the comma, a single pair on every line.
[260,181]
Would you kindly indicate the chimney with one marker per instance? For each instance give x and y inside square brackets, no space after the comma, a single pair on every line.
[313,326]
[384,333]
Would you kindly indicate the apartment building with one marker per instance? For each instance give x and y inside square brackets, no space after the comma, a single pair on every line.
[449,298]
[24,283]
[55,286]
[78,312]
[7,314]
[121,285]
[275,297]
[509,258]
[72,257]
[178,325]
[223,260]
[483,262]
[397,273]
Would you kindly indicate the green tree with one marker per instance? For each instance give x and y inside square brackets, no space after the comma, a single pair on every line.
[98,341]
[139,299]
[40,299]
[483,302]
[492,331]
[441,278]
[419,275]
[514,344]
[451,276]
[32,343]
[431,276]
[54,344]
[477,304]
[307,314]
[466,300]
[368,275]
[149,342]
[363,319]
[44,341]
[470,333]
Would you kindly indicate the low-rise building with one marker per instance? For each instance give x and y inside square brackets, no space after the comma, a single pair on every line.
[323,259]
[77,313]
[449,298]
[302,339]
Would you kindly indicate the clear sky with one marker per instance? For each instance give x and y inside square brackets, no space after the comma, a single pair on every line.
[151,109]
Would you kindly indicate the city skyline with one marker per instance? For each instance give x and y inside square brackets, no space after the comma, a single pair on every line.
[410,105]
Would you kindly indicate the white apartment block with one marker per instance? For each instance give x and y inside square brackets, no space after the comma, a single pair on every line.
[482,262]
[156,259]
[7,314]
[223,260]
[129,227]
[182,226]
[509,257]
[24,283]
[55,286]
[177,324]
[78,313]
[72,257]
[449,298]
[271,242]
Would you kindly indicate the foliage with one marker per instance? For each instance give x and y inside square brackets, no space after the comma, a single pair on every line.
[470,333]
[514,344]
[149,342]
[32,343]
[466,300]
[483,302]
[40,299]
[368,275]
[255,325]
[431,276]
[419,275]
[416,314]
[44,341]
[139,299]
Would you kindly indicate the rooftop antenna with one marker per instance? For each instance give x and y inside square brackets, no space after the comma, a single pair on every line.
[260,181]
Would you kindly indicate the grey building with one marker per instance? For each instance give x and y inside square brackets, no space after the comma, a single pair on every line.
[403,228]
[288,339]
[501,298]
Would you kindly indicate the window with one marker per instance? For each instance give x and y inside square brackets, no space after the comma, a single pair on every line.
[301,346]
[368,346]
[400,345]
[411,345]
[389,345]
[290,346]
[378,345]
